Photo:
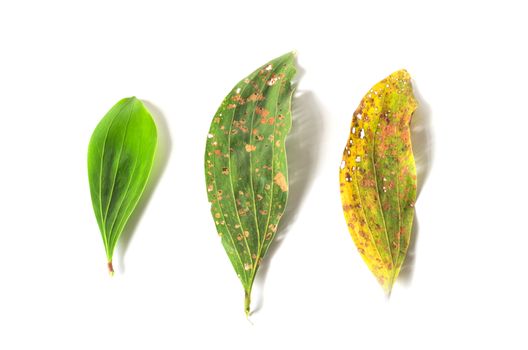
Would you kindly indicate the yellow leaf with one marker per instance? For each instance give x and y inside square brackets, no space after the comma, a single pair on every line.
[378,177]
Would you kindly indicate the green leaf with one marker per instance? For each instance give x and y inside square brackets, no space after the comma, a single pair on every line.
[245,165]
[378,177]
[120,157]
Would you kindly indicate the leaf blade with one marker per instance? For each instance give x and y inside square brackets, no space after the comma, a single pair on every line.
[244,153]
[378,177]
[120,158]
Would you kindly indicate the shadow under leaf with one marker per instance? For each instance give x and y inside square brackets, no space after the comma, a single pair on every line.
[302,147]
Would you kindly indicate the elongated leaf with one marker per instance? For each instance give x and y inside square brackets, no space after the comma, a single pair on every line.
[120,156]
[245,165]
[378,177]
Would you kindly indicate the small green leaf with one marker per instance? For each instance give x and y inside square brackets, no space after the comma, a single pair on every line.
[120,157]
[245,165]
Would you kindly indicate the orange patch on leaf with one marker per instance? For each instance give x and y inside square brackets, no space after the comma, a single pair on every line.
[263,112]
[280,180]
[250,148]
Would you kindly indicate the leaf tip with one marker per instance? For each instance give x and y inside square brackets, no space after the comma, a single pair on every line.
[402,74]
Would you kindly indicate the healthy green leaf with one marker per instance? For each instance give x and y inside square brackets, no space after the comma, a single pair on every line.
[120,157]
[245,165]
[378,177]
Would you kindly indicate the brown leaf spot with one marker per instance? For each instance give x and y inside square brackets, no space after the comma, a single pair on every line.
[274,78]
[241,125]
[256,96]
[368,182]
[231,106]
[347,207]
[238,98]
[280,180]
[263,112]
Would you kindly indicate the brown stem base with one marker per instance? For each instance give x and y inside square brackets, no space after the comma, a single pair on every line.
[110,268]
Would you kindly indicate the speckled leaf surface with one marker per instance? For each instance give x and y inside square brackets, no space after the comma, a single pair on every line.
[245,165]
[378,177]
[120,157]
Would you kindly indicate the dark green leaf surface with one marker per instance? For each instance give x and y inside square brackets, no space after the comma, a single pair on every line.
[245,165]
[120,157]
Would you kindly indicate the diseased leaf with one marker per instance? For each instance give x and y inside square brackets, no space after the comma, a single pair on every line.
[120,157]
[245,165]
[378,177]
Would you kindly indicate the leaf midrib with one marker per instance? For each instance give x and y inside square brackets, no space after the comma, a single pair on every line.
[101,175]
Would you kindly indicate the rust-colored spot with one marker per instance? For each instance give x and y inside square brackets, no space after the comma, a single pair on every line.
[231,106]
[256,96]
[238,98]
[250,148]
[274,79]
[280,180]
[367,182]
[263,112]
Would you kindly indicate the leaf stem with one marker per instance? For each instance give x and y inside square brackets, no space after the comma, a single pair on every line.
[247,302]
[110,268]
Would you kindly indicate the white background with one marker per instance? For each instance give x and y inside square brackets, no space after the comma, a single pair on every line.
[64,64]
